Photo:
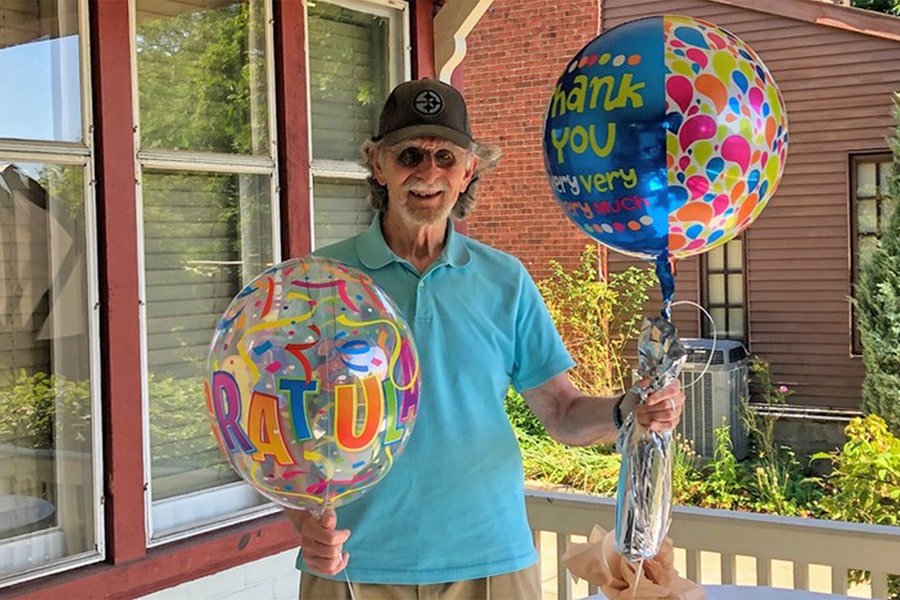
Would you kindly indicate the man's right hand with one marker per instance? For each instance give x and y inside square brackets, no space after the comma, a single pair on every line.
[321,541]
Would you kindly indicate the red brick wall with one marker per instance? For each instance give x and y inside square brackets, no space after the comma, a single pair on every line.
[515,55]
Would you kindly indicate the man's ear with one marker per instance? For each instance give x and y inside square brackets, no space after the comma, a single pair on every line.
[375,161]
[471,165]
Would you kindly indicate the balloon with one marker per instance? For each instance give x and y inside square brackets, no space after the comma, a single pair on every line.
[665,137]
[313,384]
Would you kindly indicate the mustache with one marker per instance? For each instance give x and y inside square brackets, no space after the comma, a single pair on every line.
[420,187]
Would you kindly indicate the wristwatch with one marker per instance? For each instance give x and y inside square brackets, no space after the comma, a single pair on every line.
[617,412]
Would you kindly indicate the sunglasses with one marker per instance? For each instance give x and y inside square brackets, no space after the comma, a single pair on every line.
[411,157]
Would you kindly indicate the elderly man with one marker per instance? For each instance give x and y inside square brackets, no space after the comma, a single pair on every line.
[449,520]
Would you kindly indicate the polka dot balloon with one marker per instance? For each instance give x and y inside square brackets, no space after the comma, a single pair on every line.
[665,137]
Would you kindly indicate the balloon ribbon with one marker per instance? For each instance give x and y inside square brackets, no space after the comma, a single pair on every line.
[666,276]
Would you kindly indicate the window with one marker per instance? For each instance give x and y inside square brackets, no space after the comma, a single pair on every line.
[207,171]
[206,195]
[871,208]
[355,57]
[723,291]
[49,446]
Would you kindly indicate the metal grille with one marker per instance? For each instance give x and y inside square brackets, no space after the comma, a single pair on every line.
[714,398]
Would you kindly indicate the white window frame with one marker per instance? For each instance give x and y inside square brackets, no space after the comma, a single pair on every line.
[165,520]
[397,15]
[21,551]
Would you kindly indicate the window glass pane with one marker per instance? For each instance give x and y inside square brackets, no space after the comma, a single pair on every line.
[715,258]
[716,289]
[735,288]
[39,52]
[866,216]
[202,76]
[888,205]
[46,459]
[735,255]
[349,78]
[736,323]
[341,209]
[866,246]
[205,236]
[866,183]
[718,315]
[884,177]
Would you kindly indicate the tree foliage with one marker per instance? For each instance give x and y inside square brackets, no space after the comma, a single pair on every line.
[196,90]
[597,319]
[878,310]
[891,7]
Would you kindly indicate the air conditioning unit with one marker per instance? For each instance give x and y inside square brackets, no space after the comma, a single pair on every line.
[715,381]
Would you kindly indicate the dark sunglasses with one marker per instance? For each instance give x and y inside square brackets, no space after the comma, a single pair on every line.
[411,157]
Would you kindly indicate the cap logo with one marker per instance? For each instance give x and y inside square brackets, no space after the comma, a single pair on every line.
[428,103]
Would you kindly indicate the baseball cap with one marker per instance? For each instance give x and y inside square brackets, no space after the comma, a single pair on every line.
[424,108]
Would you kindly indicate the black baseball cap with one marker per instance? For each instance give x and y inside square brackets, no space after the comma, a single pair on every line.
[424,108]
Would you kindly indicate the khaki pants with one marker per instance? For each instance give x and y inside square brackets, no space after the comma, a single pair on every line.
[521,585]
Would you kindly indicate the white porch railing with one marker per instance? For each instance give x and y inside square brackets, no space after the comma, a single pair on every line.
[732,539]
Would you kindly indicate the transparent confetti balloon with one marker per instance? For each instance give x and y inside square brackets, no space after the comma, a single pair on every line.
[313,383]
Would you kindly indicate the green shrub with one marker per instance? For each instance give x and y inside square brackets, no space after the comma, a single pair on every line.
[589,469]
[761,425]
[180,428]
[864,486]
[878,308]
[35,408]
[597,319]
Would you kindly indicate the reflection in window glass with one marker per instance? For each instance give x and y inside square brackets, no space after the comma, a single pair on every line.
[716,291]
[39,52]
[871,205]
[736,255]
[866,216]
[723,291]
[46,474]
[205,236]
[735,323]
[888,205]
[873,201]
[341,209]
[202,76]
[866,180]
[349,78]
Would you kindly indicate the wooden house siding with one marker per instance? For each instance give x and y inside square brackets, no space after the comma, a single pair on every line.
[837,85]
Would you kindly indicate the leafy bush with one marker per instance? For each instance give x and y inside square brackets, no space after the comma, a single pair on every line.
[878,309]
[761,425]
[37,407]
[179,426]
[864,486]
[597,319]
[778,483]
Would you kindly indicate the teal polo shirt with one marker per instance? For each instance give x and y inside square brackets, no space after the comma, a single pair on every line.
[452,506]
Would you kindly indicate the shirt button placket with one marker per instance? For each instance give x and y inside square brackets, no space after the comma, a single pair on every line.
[423,303]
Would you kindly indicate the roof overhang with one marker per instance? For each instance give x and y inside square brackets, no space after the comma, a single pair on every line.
[857,20]
[452,24]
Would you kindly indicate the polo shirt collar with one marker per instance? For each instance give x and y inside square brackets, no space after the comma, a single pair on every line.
[374,252]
